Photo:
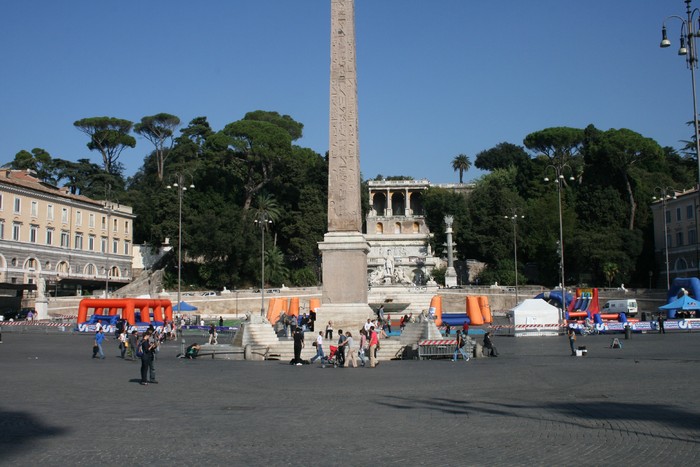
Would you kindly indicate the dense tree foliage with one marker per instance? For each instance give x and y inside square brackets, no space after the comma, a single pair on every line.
[252,165]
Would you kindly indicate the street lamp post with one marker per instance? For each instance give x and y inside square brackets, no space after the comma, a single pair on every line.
[665,193]
[179,184]
[688,36]
[263,220]
[108,207]
[559,170]
[514,218]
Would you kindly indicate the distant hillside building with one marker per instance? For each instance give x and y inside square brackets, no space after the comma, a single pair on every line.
[60,242]
[397,233]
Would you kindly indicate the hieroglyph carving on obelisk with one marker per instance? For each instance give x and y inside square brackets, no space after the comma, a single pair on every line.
[344,212]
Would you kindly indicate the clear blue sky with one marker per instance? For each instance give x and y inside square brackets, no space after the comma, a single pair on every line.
[436,77]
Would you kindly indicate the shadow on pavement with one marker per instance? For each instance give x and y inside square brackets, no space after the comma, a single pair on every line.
[21,430]
[574,413]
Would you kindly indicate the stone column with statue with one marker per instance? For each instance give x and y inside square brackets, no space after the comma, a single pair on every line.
[450,274]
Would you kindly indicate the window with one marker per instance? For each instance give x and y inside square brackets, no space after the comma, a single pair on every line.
[115,246]
[2,229]
[18,205]
[103,245]
[104,223]
[126,247]
[692,237]
[91,243]
[78,243]
[15,231]
[0,202]
[78,218]
[65,239]
[114,225]
[668,216]
[90,270]
[33,233]
[49,236]
[669,240]
[679,238]
[64,215]
[91,220]
[689,211]
[49,212]
[35,209]
[678,214]
[126,227]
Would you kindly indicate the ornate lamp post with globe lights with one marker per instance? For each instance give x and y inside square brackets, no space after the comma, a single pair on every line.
[688,49]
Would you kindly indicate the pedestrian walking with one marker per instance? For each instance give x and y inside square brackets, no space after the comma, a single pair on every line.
[132,343]
[148,347]
[363,347]
[123,342]
[329,330]
[572,340]
[340,353]
[212,334]
[298,345]
[97,346]
[319,349]
[460,347]
[662,330]
[373,344]
[351,350]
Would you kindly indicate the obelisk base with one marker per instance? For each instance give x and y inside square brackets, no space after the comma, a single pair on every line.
[344,295]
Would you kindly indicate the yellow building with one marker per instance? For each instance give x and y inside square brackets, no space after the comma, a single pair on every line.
[60,243]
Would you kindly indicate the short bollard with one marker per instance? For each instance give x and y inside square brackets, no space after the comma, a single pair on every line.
[628,332]
[182,347]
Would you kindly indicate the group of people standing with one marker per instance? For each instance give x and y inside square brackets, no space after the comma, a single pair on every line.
[132,346]
[348,350]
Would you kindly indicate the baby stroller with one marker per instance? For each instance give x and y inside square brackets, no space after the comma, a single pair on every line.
[331,359]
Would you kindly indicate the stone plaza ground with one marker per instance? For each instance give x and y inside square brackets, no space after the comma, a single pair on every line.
[534,405]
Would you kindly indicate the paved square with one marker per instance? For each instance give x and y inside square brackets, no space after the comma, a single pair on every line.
[533,405]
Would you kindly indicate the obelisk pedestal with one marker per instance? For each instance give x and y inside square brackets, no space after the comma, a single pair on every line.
[344,248]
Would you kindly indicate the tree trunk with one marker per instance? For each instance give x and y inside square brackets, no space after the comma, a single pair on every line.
[630,196]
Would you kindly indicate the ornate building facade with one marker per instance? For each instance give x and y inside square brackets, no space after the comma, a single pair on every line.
[58,242]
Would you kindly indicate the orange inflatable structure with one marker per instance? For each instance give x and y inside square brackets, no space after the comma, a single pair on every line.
[436,309]
[485,309]
[474,311]
[314,304]
[162,309]
[293,306]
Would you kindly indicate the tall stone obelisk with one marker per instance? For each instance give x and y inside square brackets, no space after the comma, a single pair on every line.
[344,248]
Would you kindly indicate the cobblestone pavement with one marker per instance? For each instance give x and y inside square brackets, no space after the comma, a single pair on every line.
[534,405]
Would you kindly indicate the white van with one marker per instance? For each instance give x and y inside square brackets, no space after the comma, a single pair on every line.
[627,306]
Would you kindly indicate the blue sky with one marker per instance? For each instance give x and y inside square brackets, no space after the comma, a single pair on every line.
[436,77]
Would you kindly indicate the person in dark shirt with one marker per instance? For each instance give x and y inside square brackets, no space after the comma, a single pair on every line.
[298,345]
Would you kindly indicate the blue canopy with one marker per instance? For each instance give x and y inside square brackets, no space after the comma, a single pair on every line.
[686,302]
[184,306]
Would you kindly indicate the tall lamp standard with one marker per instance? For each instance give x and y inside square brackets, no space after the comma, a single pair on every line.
[514,219]
[665,193]
[691,58]
[263,220]
[559,170]
[108,207]
[179,185]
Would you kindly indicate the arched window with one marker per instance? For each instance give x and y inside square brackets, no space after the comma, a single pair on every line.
[31,263]
[681,264]
[114,272]
[63,267]
[398,204]
[90,269]
[416,227]
[397,227]
[380,228]
[379,203]
[417,203]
